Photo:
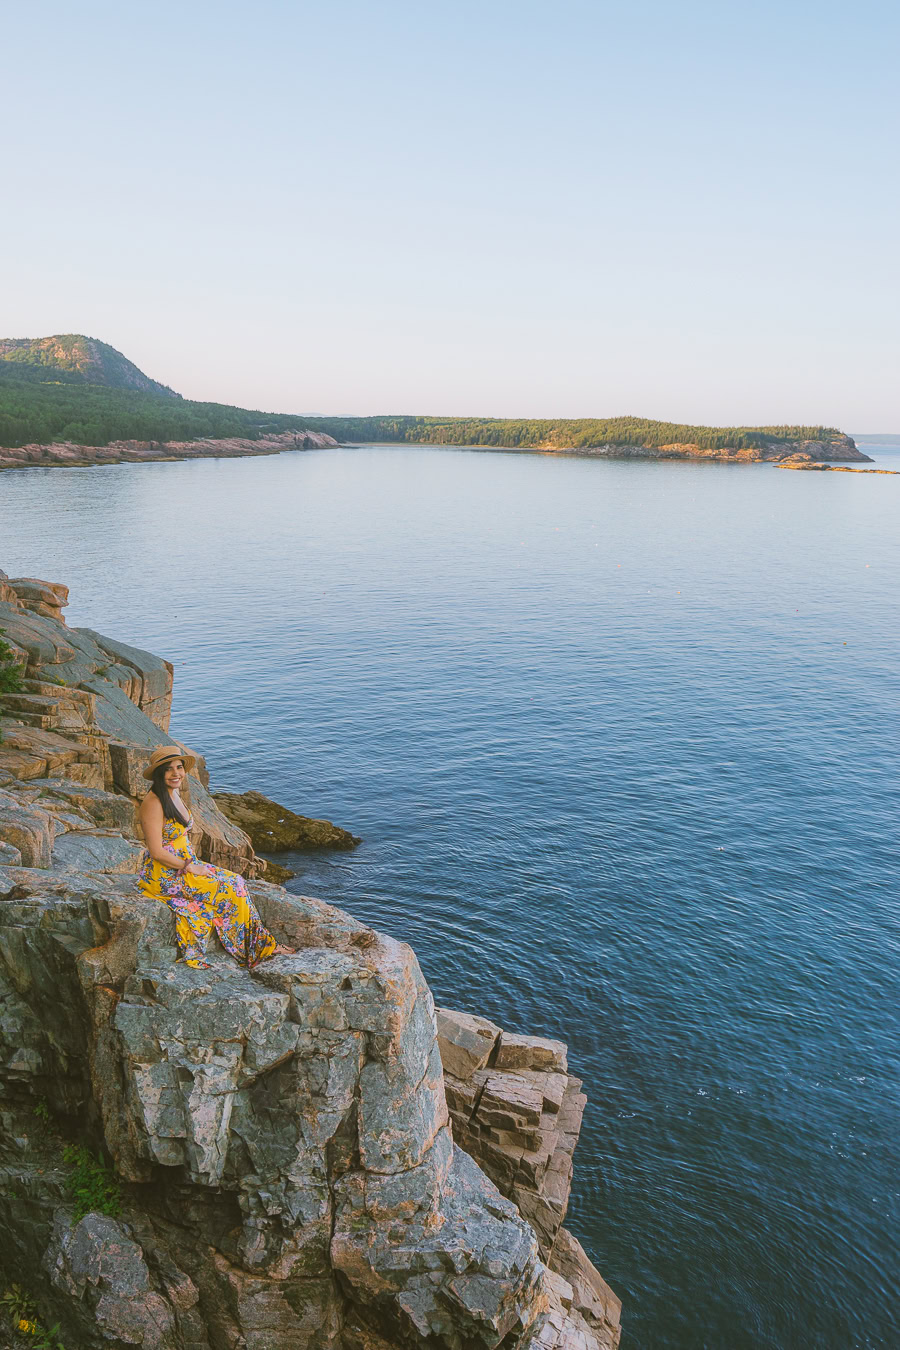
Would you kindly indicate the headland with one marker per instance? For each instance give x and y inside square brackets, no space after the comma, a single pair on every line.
[304,1156]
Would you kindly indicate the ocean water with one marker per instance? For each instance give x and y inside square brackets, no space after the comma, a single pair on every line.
[621,740]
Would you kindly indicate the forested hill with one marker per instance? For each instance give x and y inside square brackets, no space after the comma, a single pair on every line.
[84,359]
[74,388]
[39,406]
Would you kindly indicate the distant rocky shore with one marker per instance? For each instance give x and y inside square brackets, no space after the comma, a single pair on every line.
[305,1156]
[839,449]
[832,468]
[67,455]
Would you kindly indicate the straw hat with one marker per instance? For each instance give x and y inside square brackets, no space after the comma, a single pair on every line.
[163,753]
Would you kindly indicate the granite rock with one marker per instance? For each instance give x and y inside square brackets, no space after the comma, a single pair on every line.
[590,1296]
[153,677]
[26,828]
[67,454]
[530,1052]
[466,1042]
[97,1263]
[292,1121]
[275,829]
[42,597]
[90,711]
[96,851]
[102,808]
[518,1114]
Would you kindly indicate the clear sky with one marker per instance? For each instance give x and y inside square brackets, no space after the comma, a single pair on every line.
[678,210]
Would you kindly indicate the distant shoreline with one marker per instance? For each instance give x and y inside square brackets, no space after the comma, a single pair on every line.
[68,455]
[835,468]
[817,452]
[72,400]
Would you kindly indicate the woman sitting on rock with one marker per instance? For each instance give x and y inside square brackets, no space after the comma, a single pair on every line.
[200,896]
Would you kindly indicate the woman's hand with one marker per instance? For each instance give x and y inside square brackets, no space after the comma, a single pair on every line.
[197,869]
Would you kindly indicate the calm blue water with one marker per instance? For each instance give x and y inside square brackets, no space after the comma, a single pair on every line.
[622,743]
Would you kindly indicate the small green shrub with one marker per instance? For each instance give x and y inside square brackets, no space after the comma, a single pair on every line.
[10,672]
[42,1114]
[46,1340]
[18,1309]
[93,1187]
[16,1304]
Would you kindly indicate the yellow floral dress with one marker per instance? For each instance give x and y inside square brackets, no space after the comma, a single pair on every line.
[200,904]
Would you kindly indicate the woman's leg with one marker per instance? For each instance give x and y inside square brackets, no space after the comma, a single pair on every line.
[240,929]
[193,925]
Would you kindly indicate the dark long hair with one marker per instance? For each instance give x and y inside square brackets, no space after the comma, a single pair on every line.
[158,785]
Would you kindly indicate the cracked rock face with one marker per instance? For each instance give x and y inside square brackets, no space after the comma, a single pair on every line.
[284,1132]
[516,1110]
[98,1263]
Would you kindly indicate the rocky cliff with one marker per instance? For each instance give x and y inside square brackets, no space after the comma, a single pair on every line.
[67,455]
[838,448]
[302,1155]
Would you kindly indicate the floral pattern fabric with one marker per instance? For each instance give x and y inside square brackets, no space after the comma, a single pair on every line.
[200,904]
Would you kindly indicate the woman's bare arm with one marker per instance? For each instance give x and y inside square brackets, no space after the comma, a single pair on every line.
[152,821]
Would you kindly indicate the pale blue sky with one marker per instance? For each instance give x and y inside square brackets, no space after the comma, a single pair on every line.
[685,211]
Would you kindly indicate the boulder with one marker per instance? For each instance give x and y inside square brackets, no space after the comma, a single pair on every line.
[217,838]
[275,829]
[275,872]
[117,716]
[518,1113]
[53,711]
[45,640]
[591,1297]
[103,808]
[30,752]
[96,851]
[27,829]
[509,1102]
[7,594]
[97,1263]
[16,763]
[42,597]
[530,1052]
[489,1289]
[91,711]
[127,765]
[154,676]
[466,1042]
